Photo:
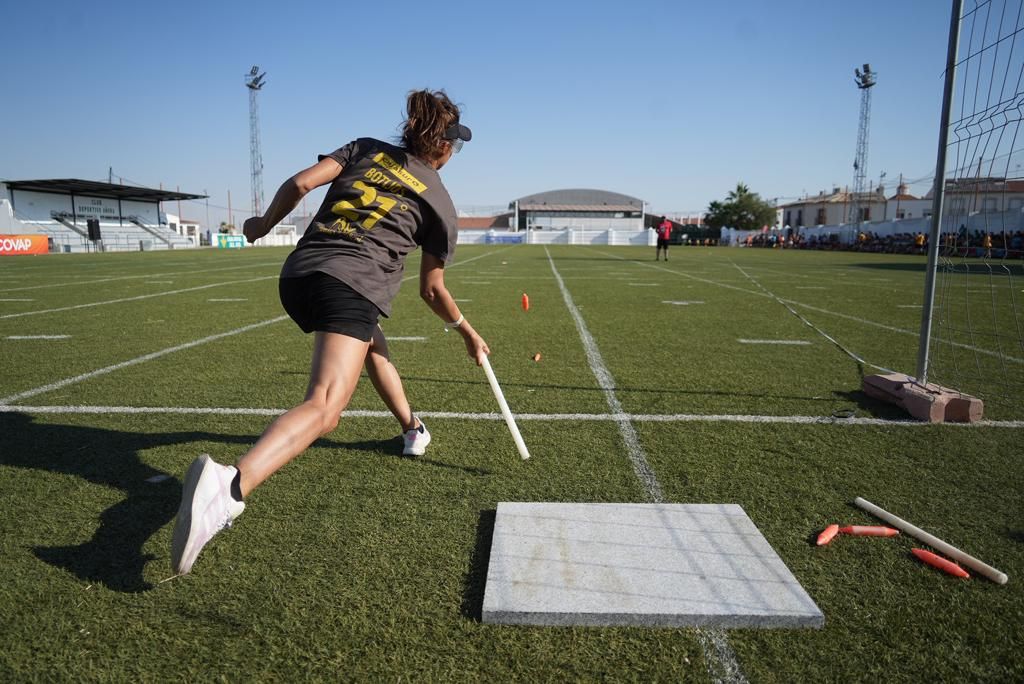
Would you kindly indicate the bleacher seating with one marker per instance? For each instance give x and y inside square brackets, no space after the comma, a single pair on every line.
[130,236]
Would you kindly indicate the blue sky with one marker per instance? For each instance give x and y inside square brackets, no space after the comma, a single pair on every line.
[673,102]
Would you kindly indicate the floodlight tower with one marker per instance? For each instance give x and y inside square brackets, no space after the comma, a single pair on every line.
[254,82]
[864,81]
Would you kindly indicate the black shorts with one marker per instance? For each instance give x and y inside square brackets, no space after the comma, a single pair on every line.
[322,303]
[662,242]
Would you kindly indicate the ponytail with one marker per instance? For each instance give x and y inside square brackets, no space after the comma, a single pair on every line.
[428,116]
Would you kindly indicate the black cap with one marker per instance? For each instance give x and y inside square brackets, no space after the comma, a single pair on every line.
[458,132]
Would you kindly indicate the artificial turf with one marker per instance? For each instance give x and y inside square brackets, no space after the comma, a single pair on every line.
[354,563]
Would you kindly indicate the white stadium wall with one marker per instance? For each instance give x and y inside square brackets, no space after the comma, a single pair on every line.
[147,211]
[40,206]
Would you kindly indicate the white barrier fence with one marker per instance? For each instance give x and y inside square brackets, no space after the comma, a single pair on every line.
[569,236]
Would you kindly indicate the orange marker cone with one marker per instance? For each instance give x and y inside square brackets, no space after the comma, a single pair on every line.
[940,563]
[526,302]
[828,535]
[868,531]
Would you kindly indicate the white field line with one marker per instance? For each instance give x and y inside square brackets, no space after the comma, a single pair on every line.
[405,339]
[17,300]
[720,660]
[795,342]
[607,383]
[37,337]
[228,299]
[680,303]
[136,298]
[131,362]
[154,355]
[147,275]
[536,417]
[848,317]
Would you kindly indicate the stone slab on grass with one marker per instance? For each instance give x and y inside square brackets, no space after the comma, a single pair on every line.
[658,565]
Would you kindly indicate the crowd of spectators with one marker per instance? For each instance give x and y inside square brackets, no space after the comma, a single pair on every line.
[962,243]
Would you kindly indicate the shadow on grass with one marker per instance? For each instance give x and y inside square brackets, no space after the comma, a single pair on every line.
[876,408]
[114,556]
[475,578]
[392,448]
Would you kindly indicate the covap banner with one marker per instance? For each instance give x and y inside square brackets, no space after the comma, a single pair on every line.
[23,244]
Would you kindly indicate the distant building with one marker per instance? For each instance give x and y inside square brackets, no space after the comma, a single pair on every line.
[578,209]
[184,227]
[831,209]
[986,195]
[903,205]
[499,222]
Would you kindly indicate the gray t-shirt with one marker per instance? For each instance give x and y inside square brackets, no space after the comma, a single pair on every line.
[383,204]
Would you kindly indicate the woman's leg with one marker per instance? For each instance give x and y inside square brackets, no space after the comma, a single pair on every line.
[337,360]
[387,382]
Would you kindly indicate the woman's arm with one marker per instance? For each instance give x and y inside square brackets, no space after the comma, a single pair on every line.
[289,195]
[437,297]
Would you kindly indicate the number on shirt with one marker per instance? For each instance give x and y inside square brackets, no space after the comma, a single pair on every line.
[348,209]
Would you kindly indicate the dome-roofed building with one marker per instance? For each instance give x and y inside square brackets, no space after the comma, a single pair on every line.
[578,208]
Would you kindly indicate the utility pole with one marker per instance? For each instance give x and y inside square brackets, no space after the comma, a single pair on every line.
[254,82]
[864,83]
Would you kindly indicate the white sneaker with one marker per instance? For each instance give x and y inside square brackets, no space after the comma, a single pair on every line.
[416,441]
[207,507]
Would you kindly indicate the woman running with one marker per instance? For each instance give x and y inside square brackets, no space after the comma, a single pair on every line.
[384,201]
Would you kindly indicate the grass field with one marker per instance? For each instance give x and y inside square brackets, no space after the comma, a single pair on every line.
[354,563]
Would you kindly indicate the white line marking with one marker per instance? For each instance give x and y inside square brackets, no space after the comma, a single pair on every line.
[643,284]
[800,342]
[405,339]
[476,282]
[37,337]
[719,657]
[131,362]
[158,282]
[908,306]
[137,298]
[538,417]
[607,383]
[17,300]
[680,303]
[228,299]
[148,275]
[463,301]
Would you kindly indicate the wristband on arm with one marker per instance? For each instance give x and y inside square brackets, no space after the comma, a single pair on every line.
[456,324]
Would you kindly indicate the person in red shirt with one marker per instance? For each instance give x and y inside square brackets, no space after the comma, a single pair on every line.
[664,233]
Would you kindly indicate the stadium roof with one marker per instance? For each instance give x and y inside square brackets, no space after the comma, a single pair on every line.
[579,199]
[74,186]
